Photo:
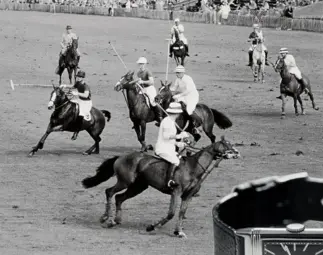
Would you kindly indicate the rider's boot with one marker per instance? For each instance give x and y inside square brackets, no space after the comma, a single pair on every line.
[250,58]
[266,58]
[186,47]
[158,115]
[170,177]
[302,83]
[78,124]
[170,51]
[196,120]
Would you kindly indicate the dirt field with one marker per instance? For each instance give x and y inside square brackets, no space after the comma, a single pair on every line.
[45,210]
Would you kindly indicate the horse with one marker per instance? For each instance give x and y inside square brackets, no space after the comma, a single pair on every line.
[139,111]
[258,61]
[208,115]
[137,171]
[70,61]
[179,50]
[64,119]
[289,86]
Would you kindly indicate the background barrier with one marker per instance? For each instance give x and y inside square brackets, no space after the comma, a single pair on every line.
[303,24]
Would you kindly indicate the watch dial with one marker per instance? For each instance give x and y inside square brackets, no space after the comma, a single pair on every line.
[293,248]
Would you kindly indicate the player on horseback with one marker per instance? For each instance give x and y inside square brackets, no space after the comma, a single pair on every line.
[146,80]
[184,91]
[255,37]
[85,102]
[166,141]
[67,41]
[180,29]
[291,67]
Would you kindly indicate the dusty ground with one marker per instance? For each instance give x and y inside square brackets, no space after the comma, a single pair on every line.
[45,210]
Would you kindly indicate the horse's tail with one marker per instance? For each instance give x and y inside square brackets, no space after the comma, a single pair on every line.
[107,114]
[104,172]
[221,120]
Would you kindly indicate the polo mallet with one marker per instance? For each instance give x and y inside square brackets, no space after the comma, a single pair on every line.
[167,63]
[118,56]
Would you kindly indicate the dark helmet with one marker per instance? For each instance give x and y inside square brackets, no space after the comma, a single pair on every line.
[80,74]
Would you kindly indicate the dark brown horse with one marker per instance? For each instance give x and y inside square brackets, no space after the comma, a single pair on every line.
[179,50]
[289,86]
[208,115]
[70,62]
[64,118]
[140,113]
[137,171]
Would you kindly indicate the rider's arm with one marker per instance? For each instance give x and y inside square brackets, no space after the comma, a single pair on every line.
[173,87]
[85,94]
[190,86]
[150,80]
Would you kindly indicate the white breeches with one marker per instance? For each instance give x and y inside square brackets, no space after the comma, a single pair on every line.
[151,93]
[85,108]
[171,157]
[252,47]
[63,51]
[294,70]
[182,38]
[191,100]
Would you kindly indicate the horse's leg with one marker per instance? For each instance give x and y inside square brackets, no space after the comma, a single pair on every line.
[301,103]
[136,127]
[70,71]
[133,190]
[295,105]
[143,127]
[95,148]
[170,214]
[208,129]
[107,218]
[41,142]
[283,98]
[312,99]
[181,216]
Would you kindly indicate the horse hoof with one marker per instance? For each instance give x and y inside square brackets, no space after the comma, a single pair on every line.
[86,153]
[196,195]
[180,234]
[108,224]
[150,147]
[150,228]
[297,114]
[316,108]
[31,154]
[283,117]
[117,220]
[303,113]
[103,218]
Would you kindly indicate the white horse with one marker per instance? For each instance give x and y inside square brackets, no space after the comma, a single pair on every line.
[258,61]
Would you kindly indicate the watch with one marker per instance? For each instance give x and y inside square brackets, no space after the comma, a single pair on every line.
[266,216]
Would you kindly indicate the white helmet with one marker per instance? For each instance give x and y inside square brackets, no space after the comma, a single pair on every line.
[283,50]
[255,25]
[180,69]
[174,108]
[142,60]
[176,20]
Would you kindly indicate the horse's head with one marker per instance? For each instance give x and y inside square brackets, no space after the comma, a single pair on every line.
[176,34]
[57,97]
[75,42]
[126,82]
[164,96]
[279,64]
[224,149]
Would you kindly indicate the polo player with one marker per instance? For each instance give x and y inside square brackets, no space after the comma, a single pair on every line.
[84,100]
[146,80]
[180,29]
[67,39]
[184,91]
[292,68]
[254,37]
[166,141]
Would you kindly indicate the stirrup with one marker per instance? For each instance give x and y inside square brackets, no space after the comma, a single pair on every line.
[171,183]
